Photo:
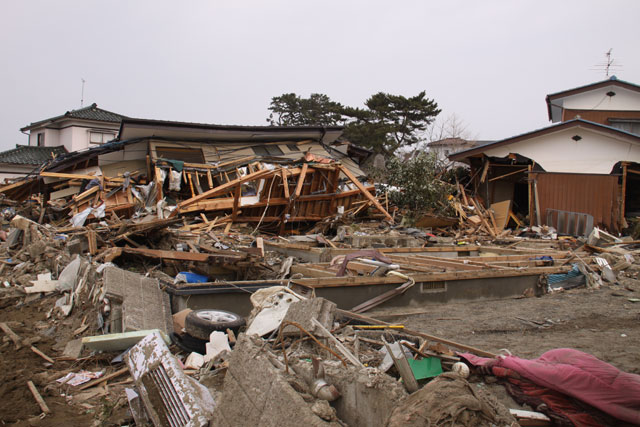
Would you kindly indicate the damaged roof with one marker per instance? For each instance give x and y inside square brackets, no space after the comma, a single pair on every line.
[461,155]
[147,128]
[91,112]
[30,155]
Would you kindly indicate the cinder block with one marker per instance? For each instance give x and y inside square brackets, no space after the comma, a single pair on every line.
[144,304]
[303,311]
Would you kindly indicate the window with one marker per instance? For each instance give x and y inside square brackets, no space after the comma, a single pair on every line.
[100,137]
[293,147]
[629,125]
[189,155]
[41,139]
[267,150]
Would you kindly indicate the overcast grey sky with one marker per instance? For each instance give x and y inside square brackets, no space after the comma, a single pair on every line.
[489,62]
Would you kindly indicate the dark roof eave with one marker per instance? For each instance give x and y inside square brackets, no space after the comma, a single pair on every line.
[169,123]
[539,132]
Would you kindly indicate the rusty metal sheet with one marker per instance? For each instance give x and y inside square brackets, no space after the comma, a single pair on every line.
[596,195]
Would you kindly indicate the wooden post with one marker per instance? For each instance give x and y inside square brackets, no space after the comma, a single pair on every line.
[624,192]
[159,184]
[530,188]
[93,243]
[292,199]
[365,192]
[236,202]
[535,193]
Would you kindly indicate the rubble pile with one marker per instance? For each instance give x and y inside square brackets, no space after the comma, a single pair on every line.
[178,320]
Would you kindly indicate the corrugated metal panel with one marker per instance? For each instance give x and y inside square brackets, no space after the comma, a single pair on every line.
[596,195]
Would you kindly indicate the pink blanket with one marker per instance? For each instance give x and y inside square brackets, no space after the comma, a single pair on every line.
[579,375]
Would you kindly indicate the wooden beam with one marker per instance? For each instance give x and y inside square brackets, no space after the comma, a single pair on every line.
[38,397]
[366,193]
[292,199]
[450,343]
[285,183]
[624,192]
[506,175]
[346,281]
[236,202]
[67,175]
[222,188]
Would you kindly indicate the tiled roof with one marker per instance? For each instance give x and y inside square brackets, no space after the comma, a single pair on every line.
[91,112]
[449,141]
[29,155]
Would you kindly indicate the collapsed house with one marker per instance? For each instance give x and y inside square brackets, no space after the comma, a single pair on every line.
[578,173]
[274,177]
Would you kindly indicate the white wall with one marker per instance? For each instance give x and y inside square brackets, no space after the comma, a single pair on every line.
[66,138]
[74,135]
[14,171]
[595,153]
[624,100]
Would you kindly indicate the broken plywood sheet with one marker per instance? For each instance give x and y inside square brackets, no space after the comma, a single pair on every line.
[501,213]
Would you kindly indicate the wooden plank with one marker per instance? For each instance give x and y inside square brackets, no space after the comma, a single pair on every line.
[12,335]
[176,255]
[501,213]
[450,343]
[292,199]
[332,282]
[39,399]
[624,192]
[507,174]
[303,174]
[103,379]
[410,382]
[285,183]
[311,272]
[67,175]
[345,352]
[222,188]
[41,354]
[159,184]
[69,191]
[366,192]
[483,219]
[93,243]
[236,202]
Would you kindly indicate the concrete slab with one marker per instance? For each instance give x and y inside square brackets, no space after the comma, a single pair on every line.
[303,311]
[144,304]
[382,240]
[73,348]
[256,393]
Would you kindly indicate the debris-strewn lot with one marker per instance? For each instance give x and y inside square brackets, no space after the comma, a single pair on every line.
[356,321]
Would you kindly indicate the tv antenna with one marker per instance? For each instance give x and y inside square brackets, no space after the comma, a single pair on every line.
[82,94]
[609,66]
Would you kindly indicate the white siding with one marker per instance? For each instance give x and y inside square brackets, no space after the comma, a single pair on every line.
[557,152]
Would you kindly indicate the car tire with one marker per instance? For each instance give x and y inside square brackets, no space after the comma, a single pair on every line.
[189,344]
[200,323]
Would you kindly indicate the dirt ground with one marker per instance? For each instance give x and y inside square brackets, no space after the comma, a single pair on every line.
[603,322]
[17,405]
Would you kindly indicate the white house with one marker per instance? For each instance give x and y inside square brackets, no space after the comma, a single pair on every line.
[76,129]
[583,169]
[611,102]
